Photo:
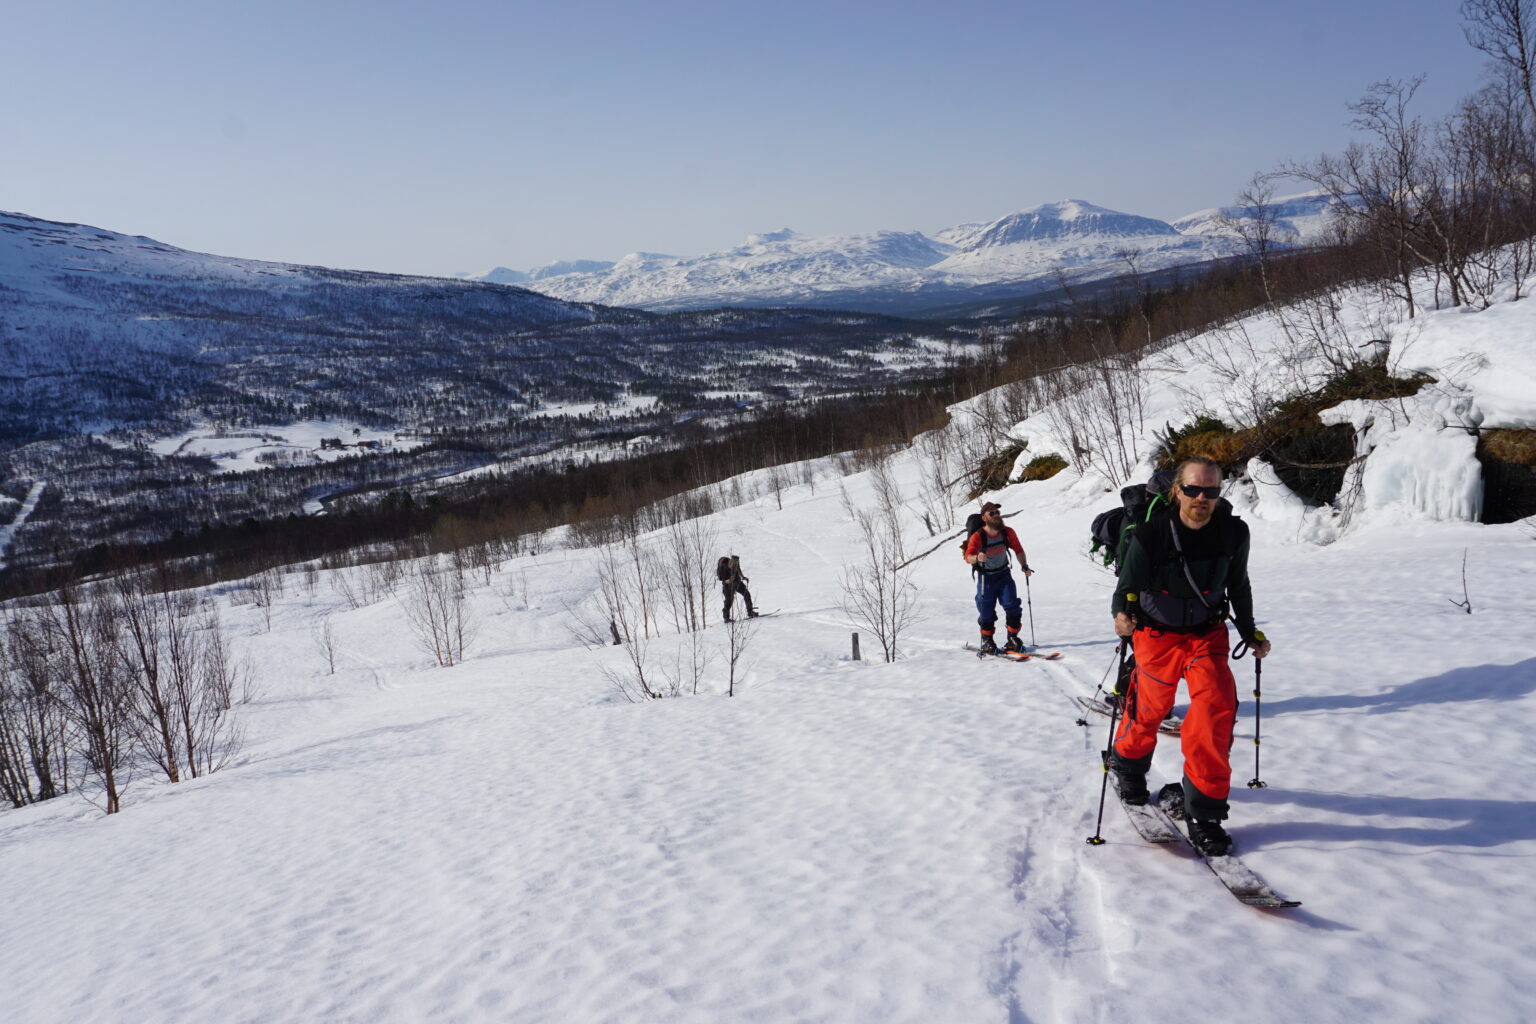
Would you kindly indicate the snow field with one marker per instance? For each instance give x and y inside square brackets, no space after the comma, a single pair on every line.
[237,451]
[509,840]
[844,841]
[18,517]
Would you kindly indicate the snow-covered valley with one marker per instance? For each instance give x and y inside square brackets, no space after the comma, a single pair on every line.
[115,350]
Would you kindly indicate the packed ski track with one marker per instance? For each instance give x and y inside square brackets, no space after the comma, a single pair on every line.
[510,840]
[23,512]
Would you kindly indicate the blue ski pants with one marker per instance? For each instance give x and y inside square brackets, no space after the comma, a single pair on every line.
[992,588]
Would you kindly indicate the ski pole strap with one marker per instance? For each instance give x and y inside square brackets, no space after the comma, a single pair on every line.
[1246,645]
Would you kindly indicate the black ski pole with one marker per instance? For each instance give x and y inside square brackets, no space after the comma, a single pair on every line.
[1097,839]
[1258,707]
[1031,608]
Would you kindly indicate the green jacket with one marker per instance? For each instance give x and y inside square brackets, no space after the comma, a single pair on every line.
[1153,586]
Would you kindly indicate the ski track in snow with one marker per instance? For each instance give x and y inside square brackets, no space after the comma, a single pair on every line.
[802,542]
[28,505]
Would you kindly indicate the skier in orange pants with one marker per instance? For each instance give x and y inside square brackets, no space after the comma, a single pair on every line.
[1206,735]
[1185,570]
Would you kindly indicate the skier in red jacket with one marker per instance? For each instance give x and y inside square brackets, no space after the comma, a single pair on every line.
[987,551]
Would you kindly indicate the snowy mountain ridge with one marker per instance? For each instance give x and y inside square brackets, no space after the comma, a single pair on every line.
[506,275]
[104,281]
[102,328]
[1021,252]
[1071,218]
[1302,219]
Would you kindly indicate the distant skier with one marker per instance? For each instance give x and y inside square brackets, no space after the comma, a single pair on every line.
[987,550]
[1183,569]
[732,582]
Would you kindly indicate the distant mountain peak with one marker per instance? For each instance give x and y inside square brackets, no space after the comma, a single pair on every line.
[498,275]
[559,267]
[1299,219]
[1069,209]
[1059,220]
[636,258]
[781,235]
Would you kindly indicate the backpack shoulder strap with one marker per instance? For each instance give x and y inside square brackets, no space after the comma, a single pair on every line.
[1234,532]
[1147,531]
[1173,530]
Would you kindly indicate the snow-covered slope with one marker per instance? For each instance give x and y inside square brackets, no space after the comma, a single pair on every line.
[775,268]
[844,841]
[1302,219]
[568,267]
[71,291]
[1072,219]
[1082,241]
[895,270]
[98,329]
[499,275]
[506,275]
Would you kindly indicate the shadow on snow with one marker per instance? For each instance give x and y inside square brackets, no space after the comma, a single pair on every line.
[1468,822]
[1459,685]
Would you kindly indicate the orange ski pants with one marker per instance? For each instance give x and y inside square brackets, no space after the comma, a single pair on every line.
[1206,735]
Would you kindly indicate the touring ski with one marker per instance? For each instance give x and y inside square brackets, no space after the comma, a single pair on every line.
[999,653]
[1148,823]
[1241,881]
[759,615]
[1170,726]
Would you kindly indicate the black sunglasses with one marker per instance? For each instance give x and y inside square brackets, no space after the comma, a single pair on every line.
[1191,491]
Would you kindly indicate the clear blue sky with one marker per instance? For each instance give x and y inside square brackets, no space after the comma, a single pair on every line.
[457,135]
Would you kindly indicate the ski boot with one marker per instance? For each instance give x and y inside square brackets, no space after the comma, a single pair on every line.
[1014,644]
[987,646]
[1209,838]
[1129,777]
[1131,787]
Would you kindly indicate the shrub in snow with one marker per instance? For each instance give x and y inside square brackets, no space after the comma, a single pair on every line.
[1043,467]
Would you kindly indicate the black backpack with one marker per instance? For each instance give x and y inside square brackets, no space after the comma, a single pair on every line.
[973,526]
[1111,530]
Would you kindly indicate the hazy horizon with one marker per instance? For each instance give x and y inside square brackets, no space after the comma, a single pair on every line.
[452,140]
